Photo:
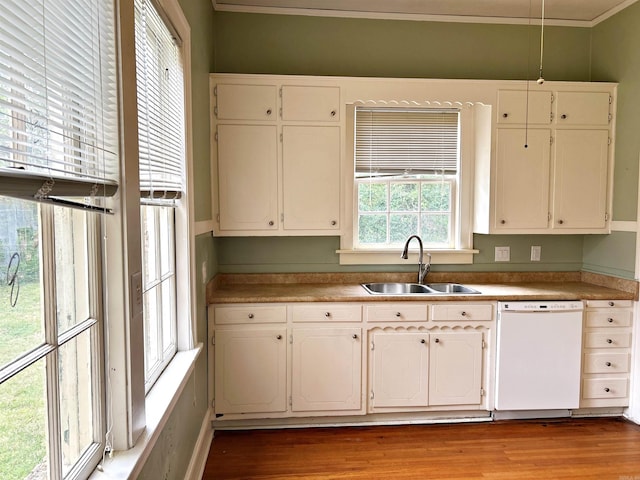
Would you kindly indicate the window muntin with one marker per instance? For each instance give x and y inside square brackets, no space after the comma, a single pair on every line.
[406,176]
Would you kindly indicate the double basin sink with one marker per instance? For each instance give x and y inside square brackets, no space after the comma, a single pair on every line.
[418,289]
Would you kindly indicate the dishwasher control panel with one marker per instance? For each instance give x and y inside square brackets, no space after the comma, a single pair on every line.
[547,306]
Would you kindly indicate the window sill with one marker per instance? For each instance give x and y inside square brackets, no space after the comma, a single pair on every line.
[386,257]
[160,402]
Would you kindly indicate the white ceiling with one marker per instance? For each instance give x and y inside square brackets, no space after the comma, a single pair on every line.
[558,12]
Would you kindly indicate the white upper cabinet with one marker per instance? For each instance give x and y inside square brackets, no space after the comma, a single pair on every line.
[309,103]
[582,108]
[246,102]
[514,105]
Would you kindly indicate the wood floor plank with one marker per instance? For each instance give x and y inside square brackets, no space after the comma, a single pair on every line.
[566,449]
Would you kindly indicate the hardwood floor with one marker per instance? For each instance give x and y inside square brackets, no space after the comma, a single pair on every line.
[602,448]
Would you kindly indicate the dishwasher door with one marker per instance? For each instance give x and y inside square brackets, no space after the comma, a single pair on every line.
[538,355]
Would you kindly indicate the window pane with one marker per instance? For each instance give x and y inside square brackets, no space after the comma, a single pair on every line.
[372,229]
[76,398]
[151,327]
[149,245]
[23,428]
[167,235]
[168,313]
[21,325]
[436,197]
[404,197]
[435,229]
[372,197]
[402,227]
[72,277]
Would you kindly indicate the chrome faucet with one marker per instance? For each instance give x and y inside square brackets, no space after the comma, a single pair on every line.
[423,270]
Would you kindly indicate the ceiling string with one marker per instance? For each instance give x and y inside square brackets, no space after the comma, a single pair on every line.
[541,78]
[526,111]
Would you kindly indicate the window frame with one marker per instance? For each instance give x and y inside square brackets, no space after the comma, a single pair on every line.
[462,252]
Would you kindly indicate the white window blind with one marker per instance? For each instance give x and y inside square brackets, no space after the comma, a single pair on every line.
[395,141]
[160,106]
[58,104]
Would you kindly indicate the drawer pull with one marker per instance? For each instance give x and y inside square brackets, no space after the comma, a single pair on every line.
[608,364]
[423,341]
[610,320]
[279,337]
[398,314]
[437,340]
[269,111]
[611,304]
[505,115]
[609,340]
[464,314]
[250,315]
[327,314]
[607,389]
[354,336]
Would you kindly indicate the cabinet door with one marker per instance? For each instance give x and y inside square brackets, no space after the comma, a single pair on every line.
[248,177]
[326,369]
[246,102]
[580,189]
[582,108]
[400,369]
[311,173]
[455,368]
[251,371]
[316,104]
[513,106]
[522,179]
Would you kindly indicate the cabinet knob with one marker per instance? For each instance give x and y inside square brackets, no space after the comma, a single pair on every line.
[423,341]
[464,314]
[610,320]
[279,337]
[327,314]
[355,336]
[269,111]
[250,315]
[607,389]
[271,223]
[398,314]
[505,115]
[333,223]
[502,222]
[611,304]
[333,113]
[560,222]
[609,340]
[608,364]
[563,116]
[437,340]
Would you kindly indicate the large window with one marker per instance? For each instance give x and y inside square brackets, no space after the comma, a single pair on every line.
[406,176]
[161,131]
[58,163]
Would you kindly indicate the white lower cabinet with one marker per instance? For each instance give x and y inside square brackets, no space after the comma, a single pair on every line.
[251,370]
[326,367]
[420,369]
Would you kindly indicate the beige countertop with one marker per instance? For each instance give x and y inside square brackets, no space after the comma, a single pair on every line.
[334,287]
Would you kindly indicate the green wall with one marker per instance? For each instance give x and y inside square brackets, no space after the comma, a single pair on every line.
[173,450]
[286,44]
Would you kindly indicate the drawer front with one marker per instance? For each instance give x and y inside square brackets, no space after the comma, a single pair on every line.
[460,312]
[326,312]
[250,314]
[396,312]
[616,387]
[609,303]
[608,340]
[246,102]
[606,362]
[610,318]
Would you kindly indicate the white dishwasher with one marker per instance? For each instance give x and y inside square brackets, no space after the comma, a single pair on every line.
[538,355]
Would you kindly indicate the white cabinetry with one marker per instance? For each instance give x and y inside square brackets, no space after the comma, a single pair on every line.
[607,353]
[551,170]
[276,153]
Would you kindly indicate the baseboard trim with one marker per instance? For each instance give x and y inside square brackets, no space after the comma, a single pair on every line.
[201,450]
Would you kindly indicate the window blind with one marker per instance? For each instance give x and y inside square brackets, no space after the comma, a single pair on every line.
[160,106]
[58,104]
[394,141]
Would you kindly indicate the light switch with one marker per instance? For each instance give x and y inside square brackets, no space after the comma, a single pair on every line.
[536,250]
[503,254]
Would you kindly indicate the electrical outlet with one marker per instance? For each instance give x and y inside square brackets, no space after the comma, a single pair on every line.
[503,254]
[536,251]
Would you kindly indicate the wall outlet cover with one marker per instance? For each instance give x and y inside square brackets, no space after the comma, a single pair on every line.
[503,254]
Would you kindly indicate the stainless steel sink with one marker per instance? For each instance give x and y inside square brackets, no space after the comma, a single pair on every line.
[397,288]
[391,288]
[451,288]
